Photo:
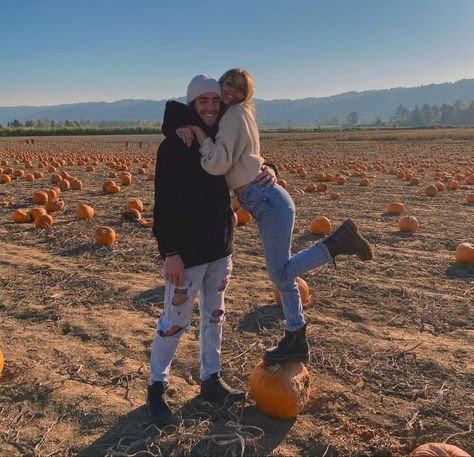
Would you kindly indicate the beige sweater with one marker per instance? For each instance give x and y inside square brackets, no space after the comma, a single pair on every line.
[236,151]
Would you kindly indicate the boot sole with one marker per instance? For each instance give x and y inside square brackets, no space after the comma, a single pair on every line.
[290,358]
[368,250]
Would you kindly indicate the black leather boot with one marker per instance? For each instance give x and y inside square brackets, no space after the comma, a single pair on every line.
[157,406]
[292,348]
[346,239]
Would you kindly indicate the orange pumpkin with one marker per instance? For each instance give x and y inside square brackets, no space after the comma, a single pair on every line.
[54,205]
[321,187]
[136,203]
[439,186]
[282,183]
[35,212]
[110,187]
[431,191]
[85,212]
[303,289]
[310,187]
[341,180]
[280,391]
[21,216]
[465,253]
[131,214]
[438,450]
[470,198]
[453,184]
[104,235]
[147,223]
[408,224]
[40,198]
[396,208]
[365,182]
[335,195]
[43,221]
[243,216]
[126,179]
[2,362]
[320,226]
[76,184]
[5,178]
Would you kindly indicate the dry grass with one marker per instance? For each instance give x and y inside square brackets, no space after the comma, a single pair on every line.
[391,340]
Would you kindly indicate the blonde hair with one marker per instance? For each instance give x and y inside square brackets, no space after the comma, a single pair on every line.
[249,86]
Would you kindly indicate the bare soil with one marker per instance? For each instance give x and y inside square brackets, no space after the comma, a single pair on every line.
[392,339]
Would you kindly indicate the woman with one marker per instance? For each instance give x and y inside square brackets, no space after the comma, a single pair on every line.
[235,153]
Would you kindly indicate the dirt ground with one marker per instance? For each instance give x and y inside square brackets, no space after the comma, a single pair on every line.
[392,339]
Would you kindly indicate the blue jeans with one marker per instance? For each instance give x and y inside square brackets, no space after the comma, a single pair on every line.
[210,281]
[274,211]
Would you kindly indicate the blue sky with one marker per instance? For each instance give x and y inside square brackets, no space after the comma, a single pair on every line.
[62,51]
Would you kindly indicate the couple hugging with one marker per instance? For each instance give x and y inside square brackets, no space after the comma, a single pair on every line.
[212,145]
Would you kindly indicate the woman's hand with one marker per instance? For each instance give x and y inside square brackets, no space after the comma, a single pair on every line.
[198,132]
[267,176]
[186,135]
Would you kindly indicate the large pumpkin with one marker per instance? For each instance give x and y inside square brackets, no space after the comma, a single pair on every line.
[280,391]
[438,450]
[302,287]
[85,212]
[21,215]
[40,198]
[43,221]
[104,235]
[408,224]
[465,253]
[54,205]
[136,203]
[320,226]
[2,361]
[396,208]
[131,214]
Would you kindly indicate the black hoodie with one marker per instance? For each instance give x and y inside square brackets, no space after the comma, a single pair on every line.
[192,213]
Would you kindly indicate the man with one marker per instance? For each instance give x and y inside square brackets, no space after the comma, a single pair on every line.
[193,224]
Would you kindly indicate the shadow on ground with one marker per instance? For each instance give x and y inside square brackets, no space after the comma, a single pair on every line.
[204,429]
[262,318]
[460,271]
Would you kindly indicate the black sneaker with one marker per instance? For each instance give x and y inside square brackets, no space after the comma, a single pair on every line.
[217,390]
[157,406]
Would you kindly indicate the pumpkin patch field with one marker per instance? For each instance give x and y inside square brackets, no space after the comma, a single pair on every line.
[392,339]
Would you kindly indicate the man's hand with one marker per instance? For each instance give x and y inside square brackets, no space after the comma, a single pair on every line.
[186,135]
[174,270]
[267,176]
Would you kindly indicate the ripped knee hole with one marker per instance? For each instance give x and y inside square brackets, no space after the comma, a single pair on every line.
[180,296]
[172,331]
[217,316]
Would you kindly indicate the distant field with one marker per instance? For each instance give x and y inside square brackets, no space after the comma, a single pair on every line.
[392,361]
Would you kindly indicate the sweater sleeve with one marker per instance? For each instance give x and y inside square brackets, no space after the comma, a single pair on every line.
[219,156]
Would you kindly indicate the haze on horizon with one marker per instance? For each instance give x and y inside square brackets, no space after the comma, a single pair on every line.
[57,52]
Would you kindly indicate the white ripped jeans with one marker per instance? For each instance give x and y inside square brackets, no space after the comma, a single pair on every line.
[210,281]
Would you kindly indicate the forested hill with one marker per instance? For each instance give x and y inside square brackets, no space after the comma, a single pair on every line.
[308,111]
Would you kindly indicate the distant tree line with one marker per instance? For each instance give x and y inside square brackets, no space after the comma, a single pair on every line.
[458,114]
[42,127]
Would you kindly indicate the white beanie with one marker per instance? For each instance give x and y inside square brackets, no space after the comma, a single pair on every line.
[201,84]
